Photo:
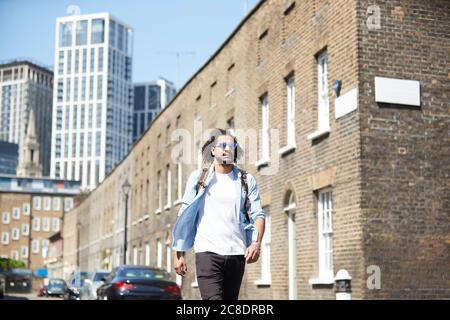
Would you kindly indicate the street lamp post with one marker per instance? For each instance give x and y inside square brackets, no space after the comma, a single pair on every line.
[78,243]
[126,187]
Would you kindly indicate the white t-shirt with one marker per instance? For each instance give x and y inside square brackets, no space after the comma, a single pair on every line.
[218,228]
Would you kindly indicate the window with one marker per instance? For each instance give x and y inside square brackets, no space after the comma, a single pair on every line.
[35,246]
[55,224]
[81,33]
[147,254]
[264,154]
[5,238]
[56,203]
[26,209]
[266,275]
[169,186]
[36,224]
[135,255]
[159,253]
[46,224]
[323,119]
[24,252]
[180,180]
[65,34]
[5,218]
[16,213]
[37,203]
[168,258]
[25,229]
[47,203]
[14,255]
[98,27]
[15,233]
[290,111]
[325,235]
[68,204]
[159,193]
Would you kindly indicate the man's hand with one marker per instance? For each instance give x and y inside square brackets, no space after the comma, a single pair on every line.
[180,265]
[252,252]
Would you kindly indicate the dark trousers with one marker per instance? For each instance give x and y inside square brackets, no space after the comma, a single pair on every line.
[219,277]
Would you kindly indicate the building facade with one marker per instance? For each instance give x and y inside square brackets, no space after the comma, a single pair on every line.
[9,157]
[149,99]
[341,108]
[26,86]
[93,97]
[32,210]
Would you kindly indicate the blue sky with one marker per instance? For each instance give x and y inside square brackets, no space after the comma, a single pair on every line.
[27,29]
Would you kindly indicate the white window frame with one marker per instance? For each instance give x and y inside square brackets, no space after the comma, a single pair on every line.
[159,253]
[25,229]
[168,258]
[46,224]
[179,182]
[6,218]
[16,213]
[36,224]
[5,238]
[26,209]
[14,255]
[68,204]
[56,203]
[169,188]
[135,255]
[35,246]
[15,234]
[325,234]
[37,203]
[24,252]
[147,254]
[290,85]
[265,137]
[266,273]
[56,222]
[47,203]
[323,105]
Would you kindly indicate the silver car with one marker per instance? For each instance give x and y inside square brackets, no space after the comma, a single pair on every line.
[91,284]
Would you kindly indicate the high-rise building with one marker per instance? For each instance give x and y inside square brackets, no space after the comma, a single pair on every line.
[149,99]
[93,97]
[9,157]
[26,86]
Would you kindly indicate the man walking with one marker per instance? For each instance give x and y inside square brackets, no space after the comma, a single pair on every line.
[221,217]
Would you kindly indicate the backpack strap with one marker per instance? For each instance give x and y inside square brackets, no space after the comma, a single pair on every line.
[201,181]
[247,200]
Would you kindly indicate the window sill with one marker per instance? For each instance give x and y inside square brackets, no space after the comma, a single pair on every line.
[263,283]
[262,162]
[140,220]
[229,92]
[318,133]
[157,211]
[177,202]
[167,207]
[287,149]
[318,281]
[146,217]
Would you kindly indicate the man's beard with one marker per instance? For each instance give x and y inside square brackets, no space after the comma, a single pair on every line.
[224,160]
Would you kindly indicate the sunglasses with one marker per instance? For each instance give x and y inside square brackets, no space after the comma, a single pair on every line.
[223,145]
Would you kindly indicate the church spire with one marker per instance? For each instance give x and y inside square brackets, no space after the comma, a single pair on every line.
[29,165]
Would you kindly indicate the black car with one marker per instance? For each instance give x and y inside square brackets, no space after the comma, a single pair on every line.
[130,282]
[56,287]
[19,280]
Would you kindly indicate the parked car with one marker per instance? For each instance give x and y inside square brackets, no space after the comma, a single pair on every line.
[91,285]
[19,280]
[2,285]
[75,285]
[56,288]
[130,282]
[42,291]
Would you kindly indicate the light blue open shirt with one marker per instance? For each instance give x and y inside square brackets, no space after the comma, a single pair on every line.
[185,228]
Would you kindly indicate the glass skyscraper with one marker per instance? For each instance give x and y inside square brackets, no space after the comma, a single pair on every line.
[93,97]
[26,86]
[149,99]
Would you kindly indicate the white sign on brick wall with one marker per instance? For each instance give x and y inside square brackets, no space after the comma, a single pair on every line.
[397,91]
[346,103]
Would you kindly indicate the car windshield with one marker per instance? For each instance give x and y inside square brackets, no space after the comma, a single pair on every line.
[100,275]
[56,282]
[137,273]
